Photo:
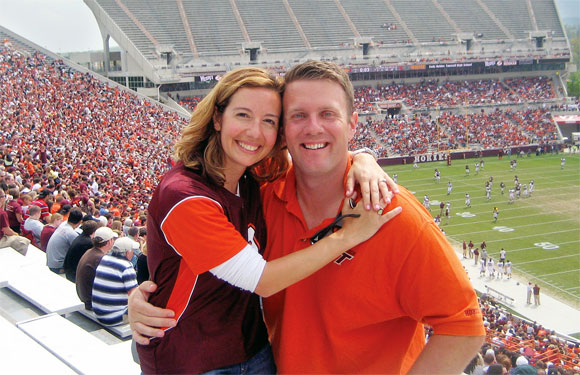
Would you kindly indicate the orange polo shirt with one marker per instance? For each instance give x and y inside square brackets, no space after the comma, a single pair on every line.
[364,312]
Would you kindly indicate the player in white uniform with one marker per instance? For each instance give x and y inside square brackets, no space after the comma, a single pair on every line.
[426,203]
[437,176]
[449,187]
[491,268]
[476,169]
[482,164]
[562,163]
[466,170]
[502,187]
[512,196]
[488,192]
[525,191]
[531,189]
[495,214]
[500,269]
[502,254]
[482,265]
[508,269]
[467,200]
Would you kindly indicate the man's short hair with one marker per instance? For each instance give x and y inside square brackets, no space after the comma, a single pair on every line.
[55,217]
[75,216]
[133,231]
[90,227]
[316,70]
[33,210]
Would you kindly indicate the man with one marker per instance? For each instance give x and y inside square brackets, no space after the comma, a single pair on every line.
[14,210]
[32,227]
[529,293]
[54,222]
[133,235]
[103,241]
[78,248]
[42,202]
[536,295]
[115,277]
[9,238]
[361,313]
[61,240]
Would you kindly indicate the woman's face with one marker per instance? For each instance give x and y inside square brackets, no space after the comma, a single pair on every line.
[248,128]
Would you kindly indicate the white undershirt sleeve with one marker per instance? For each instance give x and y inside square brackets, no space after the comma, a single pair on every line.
[243,270]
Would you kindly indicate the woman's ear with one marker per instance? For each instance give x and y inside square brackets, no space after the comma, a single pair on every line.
[217,120]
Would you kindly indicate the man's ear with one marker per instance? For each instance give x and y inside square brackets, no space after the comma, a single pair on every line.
[352,122]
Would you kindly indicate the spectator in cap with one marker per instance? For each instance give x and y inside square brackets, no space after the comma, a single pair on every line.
[115,277]
[523,368]
[79,247]
[61,240]
[103,241]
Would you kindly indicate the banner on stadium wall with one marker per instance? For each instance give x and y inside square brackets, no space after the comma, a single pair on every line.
[567,119]
[455,65]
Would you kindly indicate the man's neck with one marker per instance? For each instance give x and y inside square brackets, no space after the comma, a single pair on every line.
[320,196]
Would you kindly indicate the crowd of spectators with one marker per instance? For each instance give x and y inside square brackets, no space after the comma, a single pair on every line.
[190,103]
[447,94]
[522,347]
[72,132]
[488,128]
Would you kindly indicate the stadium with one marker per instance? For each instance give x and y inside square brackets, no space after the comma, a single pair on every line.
[473,89]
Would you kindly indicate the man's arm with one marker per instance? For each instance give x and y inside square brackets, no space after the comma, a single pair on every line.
[447,354]
[8,231]
[145,318]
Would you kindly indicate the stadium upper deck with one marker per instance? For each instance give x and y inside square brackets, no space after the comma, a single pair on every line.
[176,40]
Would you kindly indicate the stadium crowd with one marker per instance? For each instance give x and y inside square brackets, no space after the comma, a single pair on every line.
[435,93]
[521,347]
[488,128]
[72,139]
[66,130]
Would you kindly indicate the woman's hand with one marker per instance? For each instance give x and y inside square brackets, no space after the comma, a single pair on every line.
[359,229]
[376,186]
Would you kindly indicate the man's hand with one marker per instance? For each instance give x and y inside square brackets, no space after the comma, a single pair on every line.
[146,319]
[447,354]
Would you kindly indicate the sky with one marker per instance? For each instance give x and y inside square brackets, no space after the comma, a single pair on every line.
[69,25]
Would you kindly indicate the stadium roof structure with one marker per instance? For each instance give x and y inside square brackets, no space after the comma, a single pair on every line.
[174,40]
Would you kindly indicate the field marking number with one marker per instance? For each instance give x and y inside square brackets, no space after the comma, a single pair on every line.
[465,214]
[546,245]
[503,229]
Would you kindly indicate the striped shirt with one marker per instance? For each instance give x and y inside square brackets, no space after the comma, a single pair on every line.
[114,278]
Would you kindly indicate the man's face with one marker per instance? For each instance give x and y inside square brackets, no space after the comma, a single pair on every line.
[317,126]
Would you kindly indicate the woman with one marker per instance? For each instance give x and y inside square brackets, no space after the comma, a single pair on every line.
[206,231]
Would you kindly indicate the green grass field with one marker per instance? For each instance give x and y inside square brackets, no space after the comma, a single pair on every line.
[541,233]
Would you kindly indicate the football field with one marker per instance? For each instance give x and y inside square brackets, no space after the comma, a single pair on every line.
[541,232]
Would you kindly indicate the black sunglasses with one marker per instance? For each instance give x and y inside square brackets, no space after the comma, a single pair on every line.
[330,228]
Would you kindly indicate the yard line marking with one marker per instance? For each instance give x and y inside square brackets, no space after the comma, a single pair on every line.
[558,273]
[517,238]
[542,260]
[518,249]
